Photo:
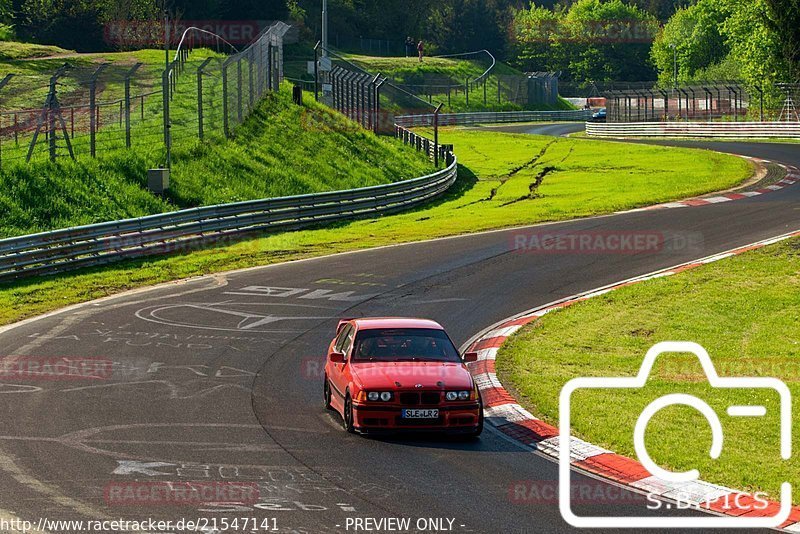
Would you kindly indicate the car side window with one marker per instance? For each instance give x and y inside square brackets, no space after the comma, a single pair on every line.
[348,342]
[341,338]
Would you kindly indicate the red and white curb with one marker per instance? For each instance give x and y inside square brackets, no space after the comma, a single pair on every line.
[792,177]
[504,413]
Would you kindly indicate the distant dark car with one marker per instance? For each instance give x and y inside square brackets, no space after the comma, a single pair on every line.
[599,115]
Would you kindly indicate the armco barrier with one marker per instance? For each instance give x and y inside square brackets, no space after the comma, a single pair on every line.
[454,119]
[97,244]
[694,129]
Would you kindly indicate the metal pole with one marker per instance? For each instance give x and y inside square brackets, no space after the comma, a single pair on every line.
[324,28]
[250,86]
[270,67]
[51,121]
[128,76]
[239,90]
[225,126]
[166,39]
[200,97]
[378,105]
[316,72]
[436,135]
[167,136]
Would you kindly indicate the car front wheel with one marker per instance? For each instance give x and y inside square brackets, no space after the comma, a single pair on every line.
[347,416]
[326,392]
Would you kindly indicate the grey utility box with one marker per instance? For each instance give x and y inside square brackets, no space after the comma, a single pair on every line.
[158,180]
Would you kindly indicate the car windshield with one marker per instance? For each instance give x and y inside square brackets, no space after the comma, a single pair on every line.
[404,344]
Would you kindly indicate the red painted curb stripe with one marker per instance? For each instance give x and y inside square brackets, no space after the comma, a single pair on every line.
[530,431]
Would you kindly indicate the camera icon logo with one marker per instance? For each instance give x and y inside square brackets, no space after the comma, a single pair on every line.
[669,477]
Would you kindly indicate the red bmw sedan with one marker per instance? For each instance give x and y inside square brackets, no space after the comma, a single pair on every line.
[393,374]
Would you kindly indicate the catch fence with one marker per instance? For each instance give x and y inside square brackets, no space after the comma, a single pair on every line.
[89,107]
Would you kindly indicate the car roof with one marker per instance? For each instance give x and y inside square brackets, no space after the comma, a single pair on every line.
[371,323]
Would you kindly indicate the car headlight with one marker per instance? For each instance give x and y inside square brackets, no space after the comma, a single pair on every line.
[451,395]
[386,396]
[373,395]
[463,395]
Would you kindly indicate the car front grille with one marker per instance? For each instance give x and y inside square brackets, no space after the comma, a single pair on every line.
[423,398]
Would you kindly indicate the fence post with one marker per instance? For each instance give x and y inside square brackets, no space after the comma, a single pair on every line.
[250,86]
[373,101]
[378,105]
[260,78]
[3,83]
[225,127]
[93,109]
[200,97]
[270,66]
[316,72]
[239,90]
[128,77]
[165,81]
[466,90]
[276,68]
[485,101]
[436,135]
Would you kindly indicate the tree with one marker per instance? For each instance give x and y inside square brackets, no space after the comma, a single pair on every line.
[696,34]
[594,40]
[783,20]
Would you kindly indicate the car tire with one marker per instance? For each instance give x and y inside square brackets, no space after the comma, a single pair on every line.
[347,415]
[479,430]
[326,392]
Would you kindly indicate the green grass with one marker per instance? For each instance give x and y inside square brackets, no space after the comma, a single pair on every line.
[431,71]
[435,71]
[743,310]
[282,149]
[591,177]
[12,50]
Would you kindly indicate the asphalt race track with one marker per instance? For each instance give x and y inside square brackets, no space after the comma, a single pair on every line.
[219,380]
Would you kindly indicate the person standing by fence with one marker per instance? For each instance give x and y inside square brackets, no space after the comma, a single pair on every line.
[409,46]
[421,50]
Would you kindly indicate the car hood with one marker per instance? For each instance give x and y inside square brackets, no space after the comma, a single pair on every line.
[411,375]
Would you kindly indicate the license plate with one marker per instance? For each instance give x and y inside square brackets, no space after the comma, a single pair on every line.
[419,414]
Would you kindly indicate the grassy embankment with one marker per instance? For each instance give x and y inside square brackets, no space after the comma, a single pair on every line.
[453,71]
[283,149]
[504,180]
[744,310]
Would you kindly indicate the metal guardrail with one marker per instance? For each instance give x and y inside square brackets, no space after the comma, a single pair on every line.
[453,119]
[694,129]
[98,244]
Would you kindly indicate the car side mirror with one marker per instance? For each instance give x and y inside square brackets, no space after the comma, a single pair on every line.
[470,357]
[336,357]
